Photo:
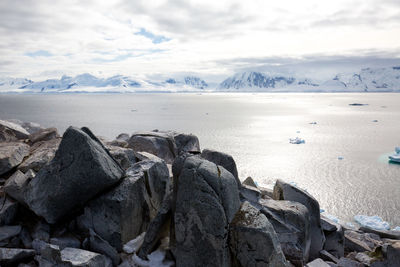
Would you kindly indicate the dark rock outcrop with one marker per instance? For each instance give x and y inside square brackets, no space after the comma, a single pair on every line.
[207,199]
[285,191]
[11,155]
[253,241]
[80,169]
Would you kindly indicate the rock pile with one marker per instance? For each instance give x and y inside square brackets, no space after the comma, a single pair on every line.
[156,199]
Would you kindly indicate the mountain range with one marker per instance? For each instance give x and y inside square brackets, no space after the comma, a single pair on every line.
[365,80]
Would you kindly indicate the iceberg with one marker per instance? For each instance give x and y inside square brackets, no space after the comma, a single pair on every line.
[396,156]
[397,228]
[297,141]
[373,222]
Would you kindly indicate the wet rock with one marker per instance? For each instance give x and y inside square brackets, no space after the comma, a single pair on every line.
[10,131]
[41,154]
[252,239]
[317,263]
[125,211]
[207,199]
[285,191]
[126,157]
[83,258]
[11,155]
[223,160]
[160,144]
[44,135]
[99,245]
[13,256]
[80,169]
[292,225]
[360,242]
[8,210]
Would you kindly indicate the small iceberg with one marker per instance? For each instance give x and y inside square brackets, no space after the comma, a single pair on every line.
[375,121]
[340,158]
[313,123]
[358,104]
[373,222]
[396,156]
[297,141]
[397,228]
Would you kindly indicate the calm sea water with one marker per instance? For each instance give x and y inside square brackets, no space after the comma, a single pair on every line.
[255,129]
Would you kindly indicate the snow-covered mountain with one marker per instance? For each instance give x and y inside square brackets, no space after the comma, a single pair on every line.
[255,81]
[368,79]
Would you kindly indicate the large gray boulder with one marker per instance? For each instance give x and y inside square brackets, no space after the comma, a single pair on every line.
[360,242]
[10,131]
[285,191]
[17,184]
[81,169]
[125,211]
[8,210]
[41,154]
[99,245]
[11,155]
[207,199]
[160,144]
[166,145]
[253,241]
[292,224]
[222,159]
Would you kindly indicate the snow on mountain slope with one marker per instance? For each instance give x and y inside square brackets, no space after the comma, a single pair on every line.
[13,83]
[372,79]
[187,82]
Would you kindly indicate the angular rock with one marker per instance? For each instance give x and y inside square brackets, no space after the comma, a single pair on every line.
[158,227]
[16,185]
[249,193]
[317,263]
[382,233]
[327,225]
[126,210]
[66,241]
[41,154]
[123,137]
[250,182]
[292,225]
[8,210]
[266,193]
[187,143]
[13,256]
[345,262]
[80,169]
[126,157]
[334,237]
[44,135]
[11,155]
[160,144]
[253,241]
[7,232]
[26,238]
[222,159]
[41,231]
[83,258]
[207,199]
[99,245]
[393,253]
[285,191]
[326,256]
[30,127]
[360,242]
[10,131]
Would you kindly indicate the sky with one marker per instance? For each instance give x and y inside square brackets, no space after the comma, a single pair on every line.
[210,39]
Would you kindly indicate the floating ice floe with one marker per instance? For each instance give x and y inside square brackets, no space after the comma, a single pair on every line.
[374,222]
[351,225]
[396,156]
[375,121]
[297,141]
[340,158]
[332,218]
[397,228]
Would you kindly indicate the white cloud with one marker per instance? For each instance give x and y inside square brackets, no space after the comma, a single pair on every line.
[205,37]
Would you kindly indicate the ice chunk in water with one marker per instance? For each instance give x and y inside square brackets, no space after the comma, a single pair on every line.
[374,222]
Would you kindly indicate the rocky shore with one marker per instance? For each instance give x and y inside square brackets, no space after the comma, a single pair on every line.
[157,199]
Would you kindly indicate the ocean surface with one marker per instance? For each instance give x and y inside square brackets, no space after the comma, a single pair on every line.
[343,162]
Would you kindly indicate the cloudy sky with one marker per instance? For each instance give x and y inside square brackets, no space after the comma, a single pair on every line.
[212,39]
